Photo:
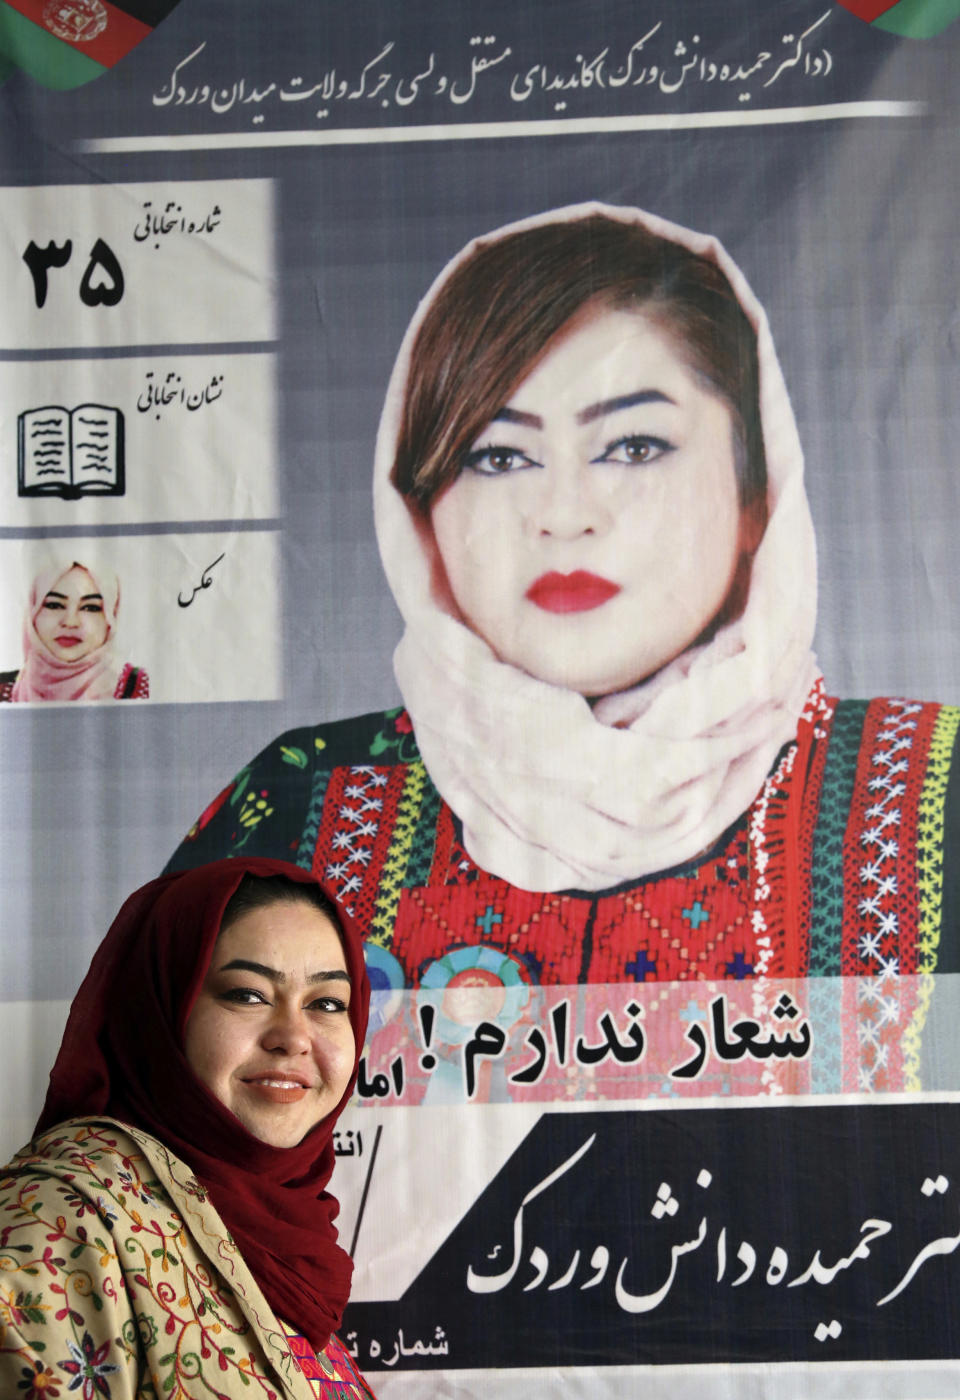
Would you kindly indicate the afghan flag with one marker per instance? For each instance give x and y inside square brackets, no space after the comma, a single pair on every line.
[65,43]
[912,19]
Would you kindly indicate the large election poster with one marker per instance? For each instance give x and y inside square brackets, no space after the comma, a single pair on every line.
[502,459]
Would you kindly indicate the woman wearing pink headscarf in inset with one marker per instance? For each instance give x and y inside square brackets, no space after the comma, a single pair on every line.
[69,636]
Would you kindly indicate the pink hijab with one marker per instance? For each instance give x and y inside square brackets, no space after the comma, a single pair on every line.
[90,677]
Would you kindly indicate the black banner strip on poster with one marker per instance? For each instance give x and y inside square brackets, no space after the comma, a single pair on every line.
[700,1236]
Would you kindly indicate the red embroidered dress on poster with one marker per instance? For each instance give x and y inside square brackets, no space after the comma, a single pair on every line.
[836,868]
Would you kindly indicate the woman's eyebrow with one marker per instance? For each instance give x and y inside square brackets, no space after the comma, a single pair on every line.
[91,597]
[600,410]
[335,974]
[52,593]
[516,415]
[273,975]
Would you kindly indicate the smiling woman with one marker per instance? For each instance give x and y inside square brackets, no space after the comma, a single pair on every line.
[190,1119]
[269,1033]
[69,640]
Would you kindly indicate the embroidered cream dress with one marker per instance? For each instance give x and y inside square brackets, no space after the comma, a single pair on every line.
[118,1279]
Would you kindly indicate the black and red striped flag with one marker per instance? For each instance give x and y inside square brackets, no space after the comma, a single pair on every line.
[65,43]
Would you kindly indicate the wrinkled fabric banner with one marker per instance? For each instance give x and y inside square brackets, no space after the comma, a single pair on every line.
[659,890]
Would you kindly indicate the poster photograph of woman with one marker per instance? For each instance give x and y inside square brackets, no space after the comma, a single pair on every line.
[575,431]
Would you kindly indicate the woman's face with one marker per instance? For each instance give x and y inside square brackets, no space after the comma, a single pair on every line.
[595,529]
[270,1034]
[71,621]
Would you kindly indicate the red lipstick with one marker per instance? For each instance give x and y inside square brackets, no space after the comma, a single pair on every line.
[567,593]
[68,641]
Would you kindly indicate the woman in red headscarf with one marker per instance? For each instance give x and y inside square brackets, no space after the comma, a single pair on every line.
[169,1230]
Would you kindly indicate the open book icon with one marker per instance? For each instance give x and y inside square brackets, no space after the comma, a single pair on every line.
[70,454]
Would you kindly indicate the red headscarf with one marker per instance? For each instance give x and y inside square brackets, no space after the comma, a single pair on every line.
[122,1056]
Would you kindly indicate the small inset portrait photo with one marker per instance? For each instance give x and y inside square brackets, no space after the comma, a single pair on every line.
[71,636]
[171,618]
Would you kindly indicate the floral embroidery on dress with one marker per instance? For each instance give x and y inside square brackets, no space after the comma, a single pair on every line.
[109,1284]
[89,1367]
[39,1383]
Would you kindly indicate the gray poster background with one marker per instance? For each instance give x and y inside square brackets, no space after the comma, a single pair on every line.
[846,229]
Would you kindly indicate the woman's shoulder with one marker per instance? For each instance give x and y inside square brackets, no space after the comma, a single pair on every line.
[60,1143]
[874,802]
[98,1179]
[382,737]
[120,1169]
[132,684]
[275,803]
[906,707]
[888,730]
[104,1215]
[69,1201]
[95,1155]
[873,763]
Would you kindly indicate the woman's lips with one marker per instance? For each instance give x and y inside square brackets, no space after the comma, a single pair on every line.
[68,641]
[576,592]
[277,1088]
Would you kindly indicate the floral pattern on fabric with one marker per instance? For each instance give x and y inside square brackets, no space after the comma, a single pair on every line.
[89,1367]
[331,1372]
[118,1281]
[39,1383]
